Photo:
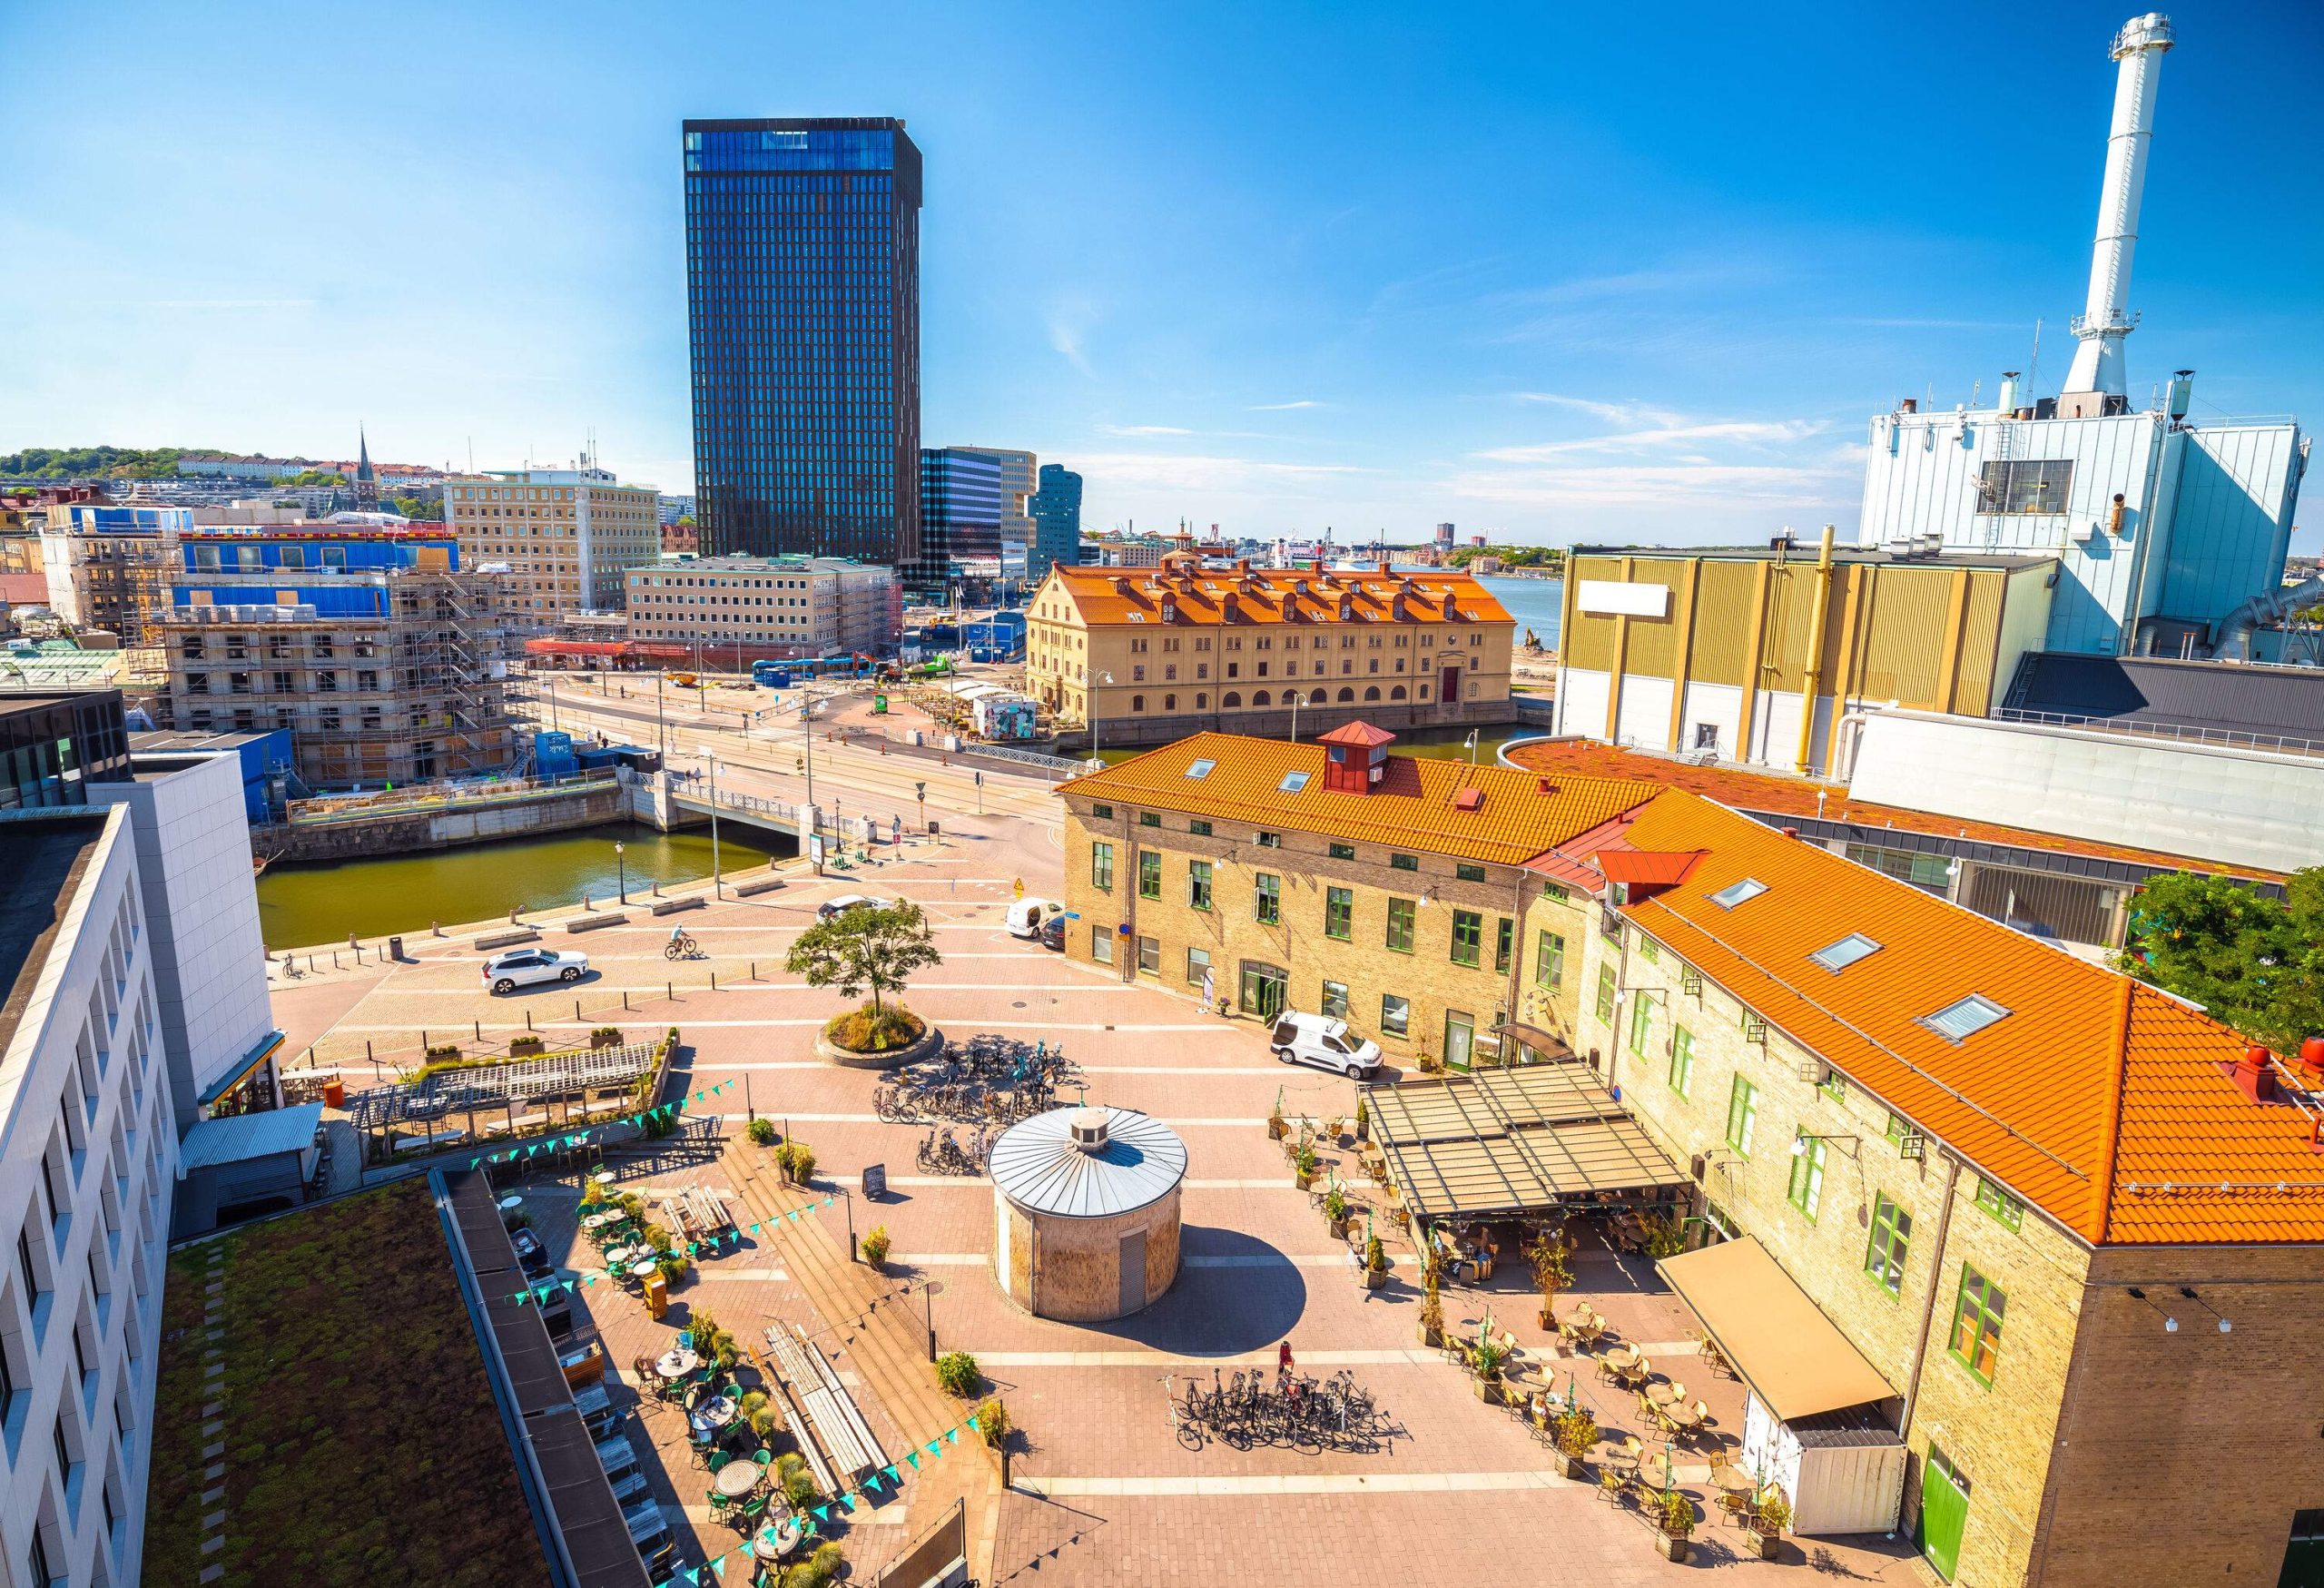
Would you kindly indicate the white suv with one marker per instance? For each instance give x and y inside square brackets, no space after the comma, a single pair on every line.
[1325,1043]
[527,967]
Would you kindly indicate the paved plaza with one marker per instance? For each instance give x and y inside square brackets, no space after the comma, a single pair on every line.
[1105,1489]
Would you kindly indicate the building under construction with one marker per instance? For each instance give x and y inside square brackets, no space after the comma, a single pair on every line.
[380,654]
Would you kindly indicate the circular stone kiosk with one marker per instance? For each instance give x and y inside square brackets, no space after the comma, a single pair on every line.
[1085,1204]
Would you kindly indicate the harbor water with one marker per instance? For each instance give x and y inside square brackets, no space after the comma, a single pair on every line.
[1536,604]
[300,905]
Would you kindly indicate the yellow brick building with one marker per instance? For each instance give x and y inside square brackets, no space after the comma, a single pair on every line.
[569,535]
[1146,655]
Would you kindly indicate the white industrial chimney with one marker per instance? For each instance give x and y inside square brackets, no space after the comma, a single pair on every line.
[2098,373]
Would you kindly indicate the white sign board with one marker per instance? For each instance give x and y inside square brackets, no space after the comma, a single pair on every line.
[1619,598]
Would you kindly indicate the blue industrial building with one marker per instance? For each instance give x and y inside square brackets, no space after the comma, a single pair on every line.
[270,775]
[803,296]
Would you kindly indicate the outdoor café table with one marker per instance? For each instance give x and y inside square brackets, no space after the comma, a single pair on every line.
[1682,1417]
[1663,1394]
[603,1176]
[1735,1480]
[509,1204]
[1655,1469]
[1622,1356]
[713,1416]
[736,1479]
[777,1539]
[676,1364]
[642,1269]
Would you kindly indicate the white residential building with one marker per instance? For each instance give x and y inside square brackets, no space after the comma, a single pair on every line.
[569,535]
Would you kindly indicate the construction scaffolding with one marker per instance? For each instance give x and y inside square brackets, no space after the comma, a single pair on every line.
[409,692]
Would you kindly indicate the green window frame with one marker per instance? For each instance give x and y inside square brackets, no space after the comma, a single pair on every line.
[1555,891]
[1742,1116]
[1339,914]
[1149,873]
[1405,862]
[1504,943]
[1101,866]
[1198,827]
[2006,1210]
[1468,937]
[1395,1015]
[1149,819]
[1343,852]
[1898,1129]
[1198,884]
[1549,960]
[1334,1002]
[1102,813]
[1835,1085]
[1641,1022]
[1682,1061]
[1977,1310]
[1891,1243]
[1399,925]
[1464,872]
[1809,1154]
[1197,966]
[1606,994]
[1266,901]
[1649,949]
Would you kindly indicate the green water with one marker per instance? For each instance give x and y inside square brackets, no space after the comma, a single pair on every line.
[303,904]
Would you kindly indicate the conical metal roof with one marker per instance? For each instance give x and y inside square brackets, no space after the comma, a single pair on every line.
[1039,1165]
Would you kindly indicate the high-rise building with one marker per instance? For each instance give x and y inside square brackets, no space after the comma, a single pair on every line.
[568,534]
[960,506]
[1019,475]
[1056,511]
[802,292]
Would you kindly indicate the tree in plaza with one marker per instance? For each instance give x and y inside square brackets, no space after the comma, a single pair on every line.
[2254,963]
[873,947]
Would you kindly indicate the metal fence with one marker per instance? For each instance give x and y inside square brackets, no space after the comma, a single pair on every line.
[2183,733]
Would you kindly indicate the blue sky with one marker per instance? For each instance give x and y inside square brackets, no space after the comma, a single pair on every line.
[1558,273]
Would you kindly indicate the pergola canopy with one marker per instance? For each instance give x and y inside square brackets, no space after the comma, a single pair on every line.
[1507,1141]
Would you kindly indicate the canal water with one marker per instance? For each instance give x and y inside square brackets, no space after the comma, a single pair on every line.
[303,904]
[1536,604]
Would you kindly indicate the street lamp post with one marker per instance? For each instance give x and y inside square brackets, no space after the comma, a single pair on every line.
[717,885]
[623,867]
[1294,715]
[1095,714]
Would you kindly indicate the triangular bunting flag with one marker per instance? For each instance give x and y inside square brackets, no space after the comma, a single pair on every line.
[873,1482]
[854,1502]
[828,1200]
[822,1512]
[754,1230]
[972,1421]
[718,1567]
[474,1161]
[694,1574]
[930,1448]
[912,1456]
[895,1475]
[952,1436]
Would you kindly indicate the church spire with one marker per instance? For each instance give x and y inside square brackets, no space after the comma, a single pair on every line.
[367,483]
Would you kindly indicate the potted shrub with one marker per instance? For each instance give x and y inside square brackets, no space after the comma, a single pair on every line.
[606,1037]
[1485,1358]
[1362,1121]
[994,1426]
[1774,1515]
[443,1051]
[796,1160]
[875,1247]
[1552,1255]
[526,1047]
[762,1131]
[1376,1263]
[1276,1127]
[957,1374]
[1303,1164]
[1674,1520]
[1573,1432]
[1431,1310]
[1336,1210]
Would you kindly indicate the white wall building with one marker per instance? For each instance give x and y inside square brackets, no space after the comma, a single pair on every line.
[570,534]
[88,1154]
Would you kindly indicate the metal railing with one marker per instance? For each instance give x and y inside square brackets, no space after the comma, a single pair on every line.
[440,796]
[1060,766]
[2231,738]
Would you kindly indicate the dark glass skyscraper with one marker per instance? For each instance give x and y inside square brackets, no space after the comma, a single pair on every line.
[803,300]
[960,510]
[1056,511]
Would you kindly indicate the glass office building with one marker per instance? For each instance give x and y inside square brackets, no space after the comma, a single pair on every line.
[960,512]
[1056,511]
[803,296]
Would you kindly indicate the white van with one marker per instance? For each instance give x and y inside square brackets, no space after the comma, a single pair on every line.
[1325,1043]
[1026,916]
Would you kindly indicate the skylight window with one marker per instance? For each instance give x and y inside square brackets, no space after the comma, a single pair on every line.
[1201,768]
[1971,1015]
[1840,955]
[1293,782]
[1735,893]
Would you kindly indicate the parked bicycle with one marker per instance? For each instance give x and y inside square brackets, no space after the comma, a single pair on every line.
[942,1154]
[1302,1412]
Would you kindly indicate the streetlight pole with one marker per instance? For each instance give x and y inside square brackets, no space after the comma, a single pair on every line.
[718,887]
[1295,714]
[661,729]
[623,866]
[1095,716]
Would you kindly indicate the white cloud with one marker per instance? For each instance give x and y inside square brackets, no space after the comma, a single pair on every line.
[1624,411]
[1283,407]
[1070,320]
[1144,430]
[1200,473]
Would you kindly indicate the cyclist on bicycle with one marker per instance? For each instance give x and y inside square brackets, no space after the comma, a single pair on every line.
[677,937]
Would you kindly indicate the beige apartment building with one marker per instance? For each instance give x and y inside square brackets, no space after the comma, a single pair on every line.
[772,607]
[2047,1243]
[1140,656]
[568,534]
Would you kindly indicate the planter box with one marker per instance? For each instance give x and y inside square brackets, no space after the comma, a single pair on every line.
[596,1041]
[751,890]
[1373,1278]
[1432,1339]
[505,940]
[1766,1546]
[1571,1467]
[1339,1228]
[1487,1390]
[1674,1545]
[596,923]
[1277,1130]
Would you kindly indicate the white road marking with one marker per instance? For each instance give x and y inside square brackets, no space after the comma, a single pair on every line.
[1239,1260]
[1244,1486]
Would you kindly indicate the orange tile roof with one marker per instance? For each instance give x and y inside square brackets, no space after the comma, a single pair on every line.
[1212,596]
[1794,796]
[2091,1091]
[1411,806]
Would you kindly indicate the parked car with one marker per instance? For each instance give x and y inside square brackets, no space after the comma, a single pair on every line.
[847,901]
[1026,915]
[1325,1043]
[1053,934]
[530,967]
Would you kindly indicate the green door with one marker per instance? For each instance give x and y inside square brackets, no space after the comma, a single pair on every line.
[1460,1038]
[1945,1510]
[1264,989]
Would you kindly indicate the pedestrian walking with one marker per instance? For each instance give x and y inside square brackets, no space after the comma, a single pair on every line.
[1283,1360]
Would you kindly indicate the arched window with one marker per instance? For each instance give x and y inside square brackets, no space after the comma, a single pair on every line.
[1202,701]
[1397,693]
[1317,698]
[1262,698]
[1346,696]
[1372,693]
[1424,692]
[1231,699]
[1169,702]
[1138,703]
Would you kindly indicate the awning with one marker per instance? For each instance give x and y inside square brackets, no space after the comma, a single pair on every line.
[1793,1357]
[257,1055]
[1531,1138]
[1541,1039]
